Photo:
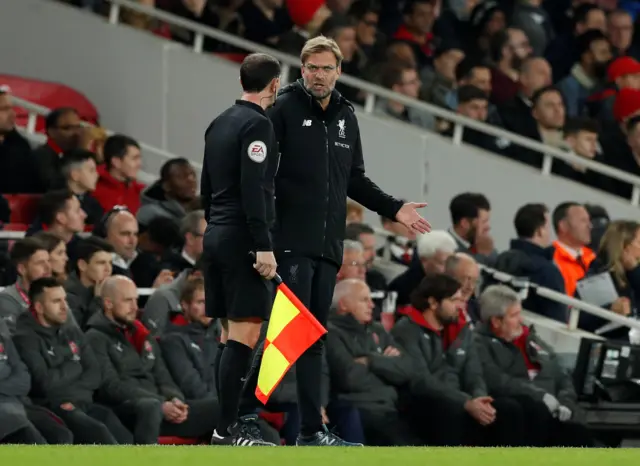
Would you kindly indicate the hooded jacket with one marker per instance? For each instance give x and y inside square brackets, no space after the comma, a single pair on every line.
[131,362]
[154,203]
[371,386]
[321,163]
[63,367]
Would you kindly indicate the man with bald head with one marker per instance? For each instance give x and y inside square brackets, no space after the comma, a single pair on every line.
[136,381]
[465,269]
[367,368]
[121,232]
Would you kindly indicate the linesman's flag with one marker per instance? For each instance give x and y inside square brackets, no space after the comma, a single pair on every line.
[292,329]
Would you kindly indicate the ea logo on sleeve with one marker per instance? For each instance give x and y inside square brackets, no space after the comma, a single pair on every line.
[257,151]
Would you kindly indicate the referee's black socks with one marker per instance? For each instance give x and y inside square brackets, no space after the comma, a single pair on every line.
[216,367]
[234,365]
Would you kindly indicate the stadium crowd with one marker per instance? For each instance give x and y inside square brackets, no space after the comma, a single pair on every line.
[420,350]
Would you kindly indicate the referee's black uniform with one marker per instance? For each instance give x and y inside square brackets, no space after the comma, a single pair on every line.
[321,163]
[240,161]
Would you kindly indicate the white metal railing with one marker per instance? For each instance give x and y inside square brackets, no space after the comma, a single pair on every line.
[374,92]
[575,305]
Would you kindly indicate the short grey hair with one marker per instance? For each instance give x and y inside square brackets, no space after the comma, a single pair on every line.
[351,245]
[495,300]
[191,222]
[438,240]
[452,262]
[343,289]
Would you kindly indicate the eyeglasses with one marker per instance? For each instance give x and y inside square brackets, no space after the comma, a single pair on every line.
[355,264]
[315,68]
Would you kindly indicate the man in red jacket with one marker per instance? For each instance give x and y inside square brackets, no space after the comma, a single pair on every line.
[117,184]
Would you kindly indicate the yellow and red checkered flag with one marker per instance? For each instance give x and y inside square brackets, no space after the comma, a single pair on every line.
[292,329]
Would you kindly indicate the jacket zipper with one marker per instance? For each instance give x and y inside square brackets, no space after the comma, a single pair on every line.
[326,146]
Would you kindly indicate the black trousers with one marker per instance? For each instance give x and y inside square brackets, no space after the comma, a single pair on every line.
[543,430]
[52,428]
[145,419]
[386,429]
[441,423]
[313,282]
[95,424]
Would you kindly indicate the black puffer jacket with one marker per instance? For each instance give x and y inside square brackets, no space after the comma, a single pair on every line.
[321,164]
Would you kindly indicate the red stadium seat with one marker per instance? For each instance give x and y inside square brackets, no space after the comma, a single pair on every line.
[168,440]
[234,57]
[50,95]
[23,207]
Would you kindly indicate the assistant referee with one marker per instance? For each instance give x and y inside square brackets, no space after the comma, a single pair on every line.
[237,186]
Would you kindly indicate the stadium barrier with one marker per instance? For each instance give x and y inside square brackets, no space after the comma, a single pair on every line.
[374,92]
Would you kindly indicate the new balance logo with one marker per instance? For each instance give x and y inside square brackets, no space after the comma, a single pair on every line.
[306,122]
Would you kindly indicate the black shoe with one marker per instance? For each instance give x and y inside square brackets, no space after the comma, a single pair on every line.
[244,433]
[324,438]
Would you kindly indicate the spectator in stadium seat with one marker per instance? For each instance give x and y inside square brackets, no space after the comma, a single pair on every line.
[31,260]
[192,231]
[267,20]
[572,255]
[64,371]
[307,16]
[447,384]
[172,195]
[57,249]
[84,285]
[366,15]
[622,154]
[165,301]
[440,79]
[508,48]
[417,28]
[16,158]
[531,256]
[403,79]
[342,29]
[532,18]
[121,232]
[453,23]
[563,51]
[79,170]
[535,73]
[353,263]
[518,364]
[136,380]
[64,132]
[465,269]
[621,34]
[15,383]
[581,136]
[622,73]
[471,225]
[117,183]
[189,344]
[366,366]
[60,213]
[355,212]
[588,74]
[618,256]
[599,222]
[487,18]
[433,250]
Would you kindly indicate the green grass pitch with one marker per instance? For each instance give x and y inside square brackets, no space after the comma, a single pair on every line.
[303,456]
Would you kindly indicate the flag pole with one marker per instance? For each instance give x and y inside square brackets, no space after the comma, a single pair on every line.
[277,278]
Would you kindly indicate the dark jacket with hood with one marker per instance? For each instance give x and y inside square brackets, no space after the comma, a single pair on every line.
[372,386]
[154,203]
[321,163]
[506,370]
[15,383]
[162,303]
[528,260]
[445,364]
[63,367]
[131,362]
[189,350]
[82,300]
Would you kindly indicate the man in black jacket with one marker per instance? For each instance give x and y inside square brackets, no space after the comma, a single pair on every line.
[136,381]
[64,371]
[367,368]
[321,164]
[449,398]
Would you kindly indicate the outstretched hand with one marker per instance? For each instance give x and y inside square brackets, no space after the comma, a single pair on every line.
[408,215]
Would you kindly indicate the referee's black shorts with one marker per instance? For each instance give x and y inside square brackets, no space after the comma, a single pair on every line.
[234,290]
